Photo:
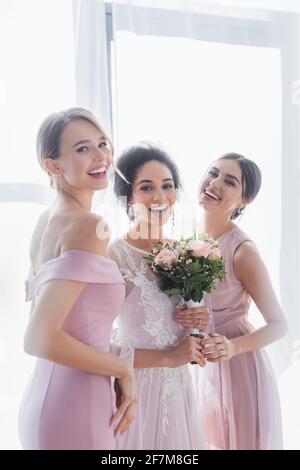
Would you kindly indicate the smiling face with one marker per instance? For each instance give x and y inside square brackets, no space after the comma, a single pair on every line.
[221,190]
[85,156]
[153,194]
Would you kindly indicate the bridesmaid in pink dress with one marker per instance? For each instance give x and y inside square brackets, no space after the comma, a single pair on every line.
[76,293]
[248,415]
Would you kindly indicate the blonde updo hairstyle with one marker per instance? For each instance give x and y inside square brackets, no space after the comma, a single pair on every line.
[51,129]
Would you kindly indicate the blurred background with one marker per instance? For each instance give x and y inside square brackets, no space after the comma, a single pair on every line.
[198,78]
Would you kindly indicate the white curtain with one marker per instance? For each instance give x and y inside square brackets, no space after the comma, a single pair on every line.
[37,78]
[93,82]
[205,78]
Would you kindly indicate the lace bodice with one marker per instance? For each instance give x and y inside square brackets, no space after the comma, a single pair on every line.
[147,321]
[147,317]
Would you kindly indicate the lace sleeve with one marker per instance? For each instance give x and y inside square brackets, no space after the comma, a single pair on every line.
[118,252]
[121,348]
[114,253]
[118,345]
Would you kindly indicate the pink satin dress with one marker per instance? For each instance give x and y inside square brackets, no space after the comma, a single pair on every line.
[66,408]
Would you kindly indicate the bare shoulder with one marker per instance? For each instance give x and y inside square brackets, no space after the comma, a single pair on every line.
[247,260]
[88,232]
[245,250]
[38,234]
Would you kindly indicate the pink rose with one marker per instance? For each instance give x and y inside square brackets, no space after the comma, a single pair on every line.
[200,248]
[166,257]
[215,254]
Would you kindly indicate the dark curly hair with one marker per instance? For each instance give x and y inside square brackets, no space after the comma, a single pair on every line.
[132,160]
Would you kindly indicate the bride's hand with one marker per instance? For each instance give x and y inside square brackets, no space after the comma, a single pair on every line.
[217,348]
[187,351]
[196,317]
[126,402]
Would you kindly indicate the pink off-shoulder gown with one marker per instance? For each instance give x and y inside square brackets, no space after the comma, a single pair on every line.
[246,413]
[66,408]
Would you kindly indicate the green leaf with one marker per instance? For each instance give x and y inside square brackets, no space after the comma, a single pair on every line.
[172,291]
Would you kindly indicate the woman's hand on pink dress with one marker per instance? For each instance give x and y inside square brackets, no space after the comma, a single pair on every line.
[190,349]
[126,402]
[196,317]
[217,348]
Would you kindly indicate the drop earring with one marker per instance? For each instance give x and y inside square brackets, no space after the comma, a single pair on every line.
[237,212]
[130,212]
[173,224]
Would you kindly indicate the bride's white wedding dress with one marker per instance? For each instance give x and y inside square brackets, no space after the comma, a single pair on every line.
[168,415]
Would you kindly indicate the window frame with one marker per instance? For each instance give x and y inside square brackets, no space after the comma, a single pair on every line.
[269,29]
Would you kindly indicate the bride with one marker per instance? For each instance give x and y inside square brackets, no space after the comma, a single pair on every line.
[148,333]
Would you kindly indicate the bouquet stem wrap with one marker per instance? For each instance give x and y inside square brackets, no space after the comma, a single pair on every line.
[192,304]
[195,331]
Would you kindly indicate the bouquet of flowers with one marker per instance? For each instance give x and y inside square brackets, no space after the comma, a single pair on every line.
[188,268]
